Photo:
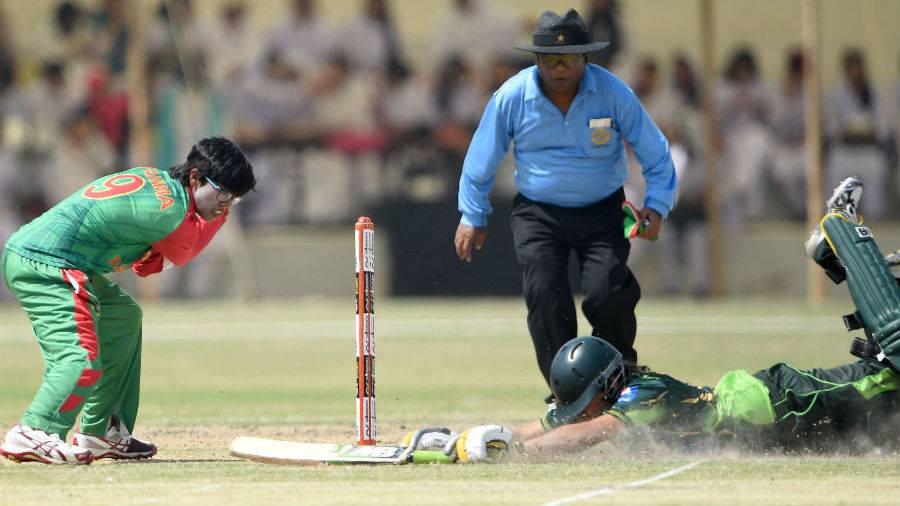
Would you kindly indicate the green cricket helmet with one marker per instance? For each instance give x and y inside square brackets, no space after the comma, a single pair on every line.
[583,368]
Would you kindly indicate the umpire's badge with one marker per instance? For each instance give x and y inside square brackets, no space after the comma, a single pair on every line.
[600,136]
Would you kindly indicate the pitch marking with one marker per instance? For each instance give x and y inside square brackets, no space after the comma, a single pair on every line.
[616,488]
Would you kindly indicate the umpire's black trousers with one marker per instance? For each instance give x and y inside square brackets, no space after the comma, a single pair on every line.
[544,236]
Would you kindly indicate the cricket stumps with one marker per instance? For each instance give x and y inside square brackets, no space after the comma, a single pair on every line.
[366,428]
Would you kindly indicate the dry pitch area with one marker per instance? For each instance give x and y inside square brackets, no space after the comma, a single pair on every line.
[285,370]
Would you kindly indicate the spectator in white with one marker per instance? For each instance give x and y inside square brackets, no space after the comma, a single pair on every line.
[173,38]
[185,109]
[72,43]
[407,106]
[743,103]
[789,127]
[83,154]
[460,102]
[686,262]
[302,37]
[232,47]
[603,22]
[39,110]
[473,20]
[44,105]
[407,113]
[345,108]
[857,131]
[271,102]
[370,40]
[273,113]
[459,98]
[348,171]
[663,106]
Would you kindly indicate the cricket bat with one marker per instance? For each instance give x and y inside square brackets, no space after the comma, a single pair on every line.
[271,451]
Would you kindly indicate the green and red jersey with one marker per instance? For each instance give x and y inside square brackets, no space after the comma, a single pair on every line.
[115,221]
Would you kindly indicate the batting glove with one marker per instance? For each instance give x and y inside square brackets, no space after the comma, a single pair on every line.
[485,443]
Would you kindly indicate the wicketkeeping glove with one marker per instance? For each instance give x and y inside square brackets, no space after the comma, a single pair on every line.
[485,443]
[151,263]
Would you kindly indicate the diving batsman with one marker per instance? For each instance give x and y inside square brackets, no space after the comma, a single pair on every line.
[599,396]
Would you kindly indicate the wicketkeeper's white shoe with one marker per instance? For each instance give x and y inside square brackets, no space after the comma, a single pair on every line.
[116,444]
[24,444]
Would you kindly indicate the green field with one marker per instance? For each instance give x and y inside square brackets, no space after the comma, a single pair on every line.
[285,370]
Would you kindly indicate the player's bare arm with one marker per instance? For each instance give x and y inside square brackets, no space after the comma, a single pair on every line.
[529,430]
[576,436]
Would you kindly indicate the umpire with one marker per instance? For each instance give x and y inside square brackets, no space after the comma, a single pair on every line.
[569,121]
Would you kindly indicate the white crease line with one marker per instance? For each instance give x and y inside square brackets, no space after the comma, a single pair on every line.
[610,490]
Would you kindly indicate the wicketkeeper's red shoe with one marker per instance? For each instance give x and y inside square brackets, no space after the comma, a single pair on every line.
[25,444]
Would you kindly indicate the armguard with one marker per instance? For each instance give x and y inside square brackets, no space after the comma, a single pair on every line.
[872,286]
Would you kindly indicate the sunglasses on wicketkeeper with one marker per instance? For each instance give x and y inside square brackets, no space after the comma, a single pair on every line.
[552,59]
[224,196]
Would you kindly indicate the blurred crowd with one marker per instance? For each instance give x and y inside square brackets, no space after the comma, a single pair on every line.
[337,118]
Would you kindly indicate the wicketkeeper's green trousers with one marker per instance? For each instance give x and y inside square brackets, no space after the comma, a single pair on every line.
[89,331]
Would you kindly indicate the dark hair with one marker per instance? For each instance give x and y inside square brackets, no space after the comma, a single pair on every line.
[796,61]
[854,56]
[222,161]
[632,370]
[67,15]
[742,57]
[689,88]
[648,63]
[52,69]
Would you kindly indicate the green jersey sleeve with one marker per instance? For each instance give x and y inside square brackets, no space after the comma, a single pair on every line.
[108,224]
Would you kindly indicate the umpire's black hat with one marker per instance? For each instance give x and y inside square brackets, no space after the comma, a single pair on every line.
[557,34]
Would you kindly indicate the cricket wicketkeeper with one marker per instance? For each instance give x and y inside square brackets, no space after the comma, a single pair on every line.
[598,395]
[88,328]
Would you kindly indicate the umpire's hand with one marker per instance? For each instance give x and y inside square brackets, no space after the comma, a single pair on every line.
[651,231]
[466,236]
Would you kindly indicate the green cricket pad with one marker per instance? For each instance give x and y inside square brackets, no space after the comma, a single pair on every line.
[872,286]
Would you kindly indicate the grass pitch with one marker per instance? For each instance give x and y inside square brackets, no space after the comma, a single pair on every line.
[286,370]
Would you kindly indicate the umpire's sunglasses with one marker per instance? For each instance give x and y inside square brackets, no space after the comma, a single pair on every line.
[552,59]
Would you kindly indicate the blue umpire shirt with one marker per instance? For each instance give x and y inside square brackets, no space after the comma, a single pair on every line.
[570,160]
